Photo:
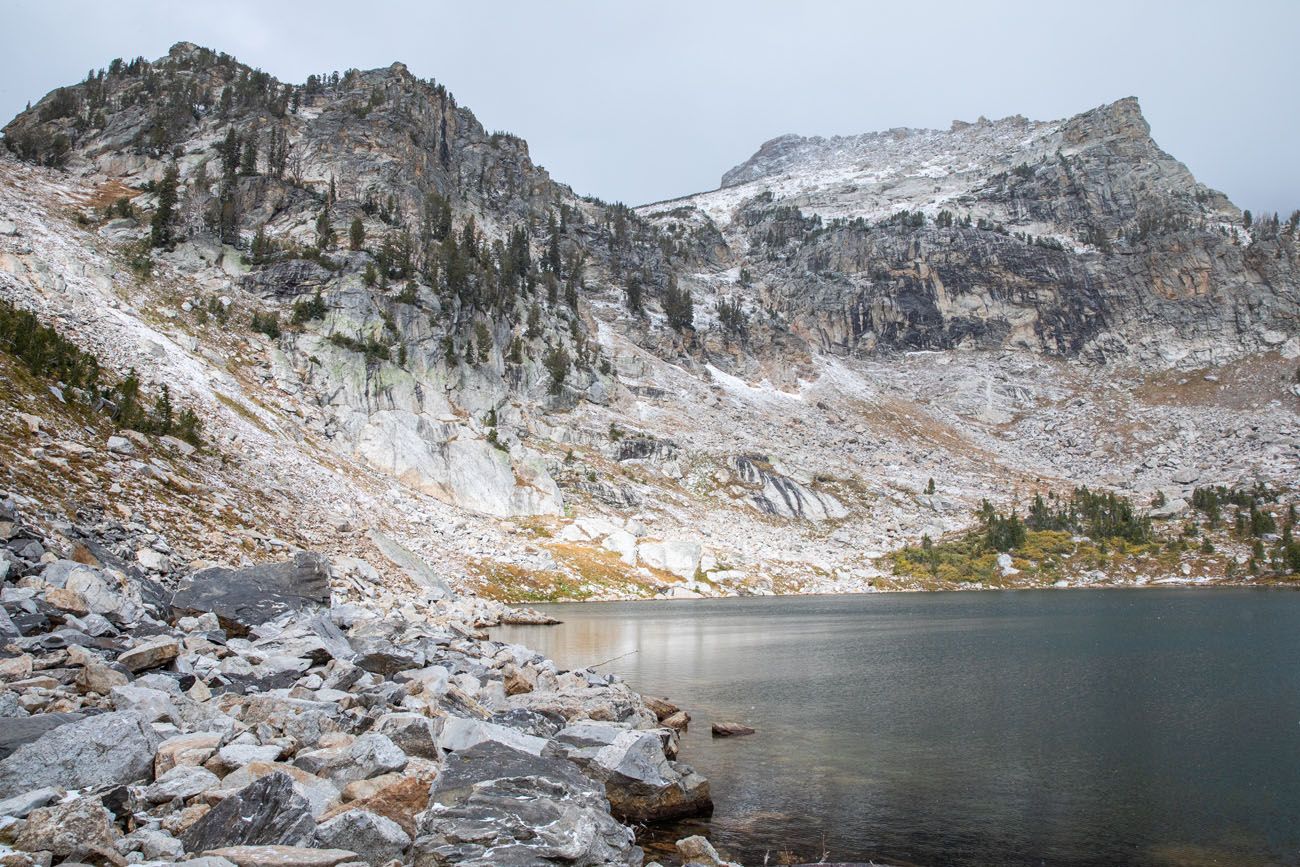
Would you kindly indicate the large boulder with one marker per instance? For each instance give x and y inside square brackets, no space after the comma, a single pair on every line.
[107,749]
[402,801]
[71,830]
[368,756]
[375,838]
[19,730]
[266,812]
[414,733]
[643,785]
[495,805]
[460,733]
[244,598]
[678,556]
[319,794]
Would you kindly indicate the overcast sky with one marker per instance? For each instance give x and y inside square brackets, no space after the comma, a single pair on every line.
[649,100]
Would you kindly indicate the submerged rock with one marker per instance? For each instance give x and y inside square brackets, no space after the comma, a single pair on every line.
[730,730]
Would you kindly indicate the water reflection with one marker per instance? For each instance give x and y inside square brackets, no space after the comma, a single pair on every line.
[1081,728]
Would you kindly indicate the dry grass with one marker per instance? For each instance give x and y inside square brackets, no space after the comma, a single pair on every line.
[107,193]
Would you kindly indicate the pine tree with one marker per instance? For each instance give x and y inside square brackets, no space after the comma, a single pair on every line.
[248,159]
[324,230]
[162,411]
[229,153]
[635,295]
[678,307]
[357,234]
[552,261]
[160,229]
[557,365]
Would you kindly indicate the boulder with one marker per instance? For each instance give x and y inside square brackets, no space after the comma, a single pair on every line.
[697,850]
[20,805]
[381,656]
[680,557]
[415,734]
[151,654]
[320,794]
[375,838]
[100,598]
[459,733]
[497,805]
[643,785]
[368,756]
[100,678]
[402,802]
[157,845]
[182,781]
[1171,509]
[678,721]
[152,705]
[730,730]
[191,749]
[244,598]
[102,750]
[661,707]
[120,445]
[18,729]
[266,812]
[237,755]
[72,830]
[67,600]
[280,856]
[411,564]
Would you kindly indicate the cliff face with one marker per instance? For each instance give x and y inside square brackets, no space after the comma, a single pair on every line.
[451,314]
[1077,237]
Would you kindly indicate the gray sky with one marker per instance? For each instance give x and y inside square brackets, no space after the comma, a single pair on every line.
[649,100]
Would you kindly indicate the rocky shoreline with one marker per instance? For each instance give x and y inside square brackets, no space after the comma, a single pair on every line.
[273,715]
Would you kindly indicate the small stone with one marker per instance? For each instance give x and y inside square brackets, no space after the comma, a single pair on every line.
[120,445]
[67,600]
[730,730]
[182,781]
[281,856]
[153,654]
[191,749]
[21,805]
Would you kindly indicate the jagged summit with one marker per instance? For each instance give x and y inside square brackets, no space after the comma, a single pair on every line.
[878,173]
[982,139]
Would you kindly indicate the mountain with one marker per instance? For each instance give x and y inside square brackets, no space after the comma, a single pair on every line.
[1077,237]
[407,342]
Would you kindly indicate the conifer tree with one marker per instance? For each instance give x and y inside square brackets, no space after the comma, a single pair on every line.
[160,229]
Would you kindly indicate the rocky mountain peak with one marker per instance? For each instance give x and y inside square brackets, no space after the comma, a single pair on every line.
[1122,118]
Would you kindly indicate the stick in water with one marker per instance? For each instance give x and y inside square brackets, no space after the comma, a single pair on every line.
[615,658]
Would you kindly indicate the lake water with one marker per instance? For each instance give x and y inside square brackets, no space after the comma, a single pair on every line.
[1148,727]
